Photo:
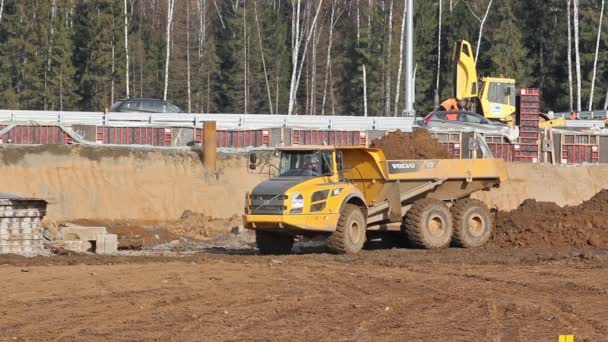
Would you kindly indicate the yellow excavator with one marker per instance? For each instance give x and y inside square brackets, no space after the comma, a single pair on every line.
[492,97]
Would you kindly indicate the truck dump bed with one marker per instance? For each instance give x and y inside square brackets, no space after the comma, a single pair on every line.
[403,181]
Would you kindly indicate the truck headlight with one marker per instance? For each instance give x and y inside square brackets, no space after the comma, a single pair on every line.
[297,201]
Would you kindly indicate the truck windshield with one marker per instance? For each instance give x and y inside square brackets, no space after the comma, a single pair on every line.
[305,163]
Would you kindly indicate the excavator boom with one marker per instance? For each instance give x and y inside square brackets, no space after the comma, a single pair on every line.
[465,72]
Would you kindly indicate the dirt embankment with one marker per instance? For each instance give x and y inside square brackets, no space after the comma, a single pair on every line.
[118,183]
[545,224]
[416,145]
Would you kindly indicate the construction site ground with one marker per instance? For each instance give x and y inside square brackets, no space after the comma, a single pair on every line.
[488,294]
[186,272]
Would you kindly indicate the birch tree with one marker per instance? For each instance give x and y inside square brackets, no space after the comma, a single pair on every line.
[570,88]
[387,95]
[333,20]
[257,24]
[126,49]
[400,69]
[297,38]
[577,56]
[438,54]
[170,7]
[482,22]
[597,49]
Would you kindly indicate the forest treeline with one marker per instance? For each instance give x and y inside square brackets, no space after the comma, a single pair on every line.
[323,57]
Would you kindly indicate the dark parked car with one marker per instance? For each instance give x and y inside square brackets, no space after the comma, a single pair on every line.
[144,105]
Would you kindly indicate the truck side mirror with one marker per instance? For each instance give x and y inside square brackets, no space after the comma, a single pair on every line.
[253,160]
[340,161]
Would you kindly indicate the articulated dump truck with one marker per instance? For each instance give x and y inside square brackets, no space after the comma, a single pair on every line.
[348,193]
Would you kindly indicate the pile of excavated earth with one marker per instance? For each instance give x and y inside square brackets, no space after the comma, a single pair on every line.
[545,224]
[416,145]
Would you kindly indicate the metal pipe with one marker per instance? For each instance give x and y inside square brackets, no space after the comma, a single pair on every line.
[210,145]
[409,60]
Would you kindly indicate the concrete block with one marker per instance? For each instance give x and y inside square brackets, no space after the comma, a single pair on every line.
[106,244]
[82,233]
[78,246]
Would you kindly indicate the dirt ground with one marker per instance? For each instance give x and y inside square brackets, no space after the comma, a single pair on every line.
[490,294]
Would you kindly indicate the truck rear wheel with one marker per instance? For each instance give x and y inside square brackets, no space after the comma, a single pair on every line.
[428,224]
[349,236]
[273,243]
[472,223]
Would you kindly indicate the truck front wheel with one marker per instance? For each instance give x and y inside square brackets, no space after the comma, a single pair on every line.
[349,236]
[273,243]
[428,224]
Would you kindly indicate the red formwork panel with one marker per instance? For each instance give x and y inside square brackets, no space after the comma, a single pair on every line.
[579,148]
[238,138]
[155,136]
[328,137]
[527,148]
[451,141]
[501,148]
[35,135]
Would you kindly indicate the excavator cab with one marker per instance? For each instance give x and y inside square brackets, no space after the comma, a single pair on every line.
[495,96]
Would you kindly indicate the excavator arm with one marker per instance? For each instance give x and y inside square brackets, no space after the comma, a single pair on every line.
[464,72]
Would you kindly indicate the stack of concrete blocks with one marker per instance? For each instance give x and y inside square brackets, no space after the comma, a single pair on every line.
[89,239]
[20,224]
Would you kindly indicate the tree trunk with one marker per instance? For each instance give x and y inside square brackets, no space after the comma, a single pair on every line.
[296,78]
[170,7]
[295,51]
[483,21]
[189,88]
[245,85]
[570,88]
[597,49]
[400,69]
[358,23]
[257,24]
[1,9]
[387,95]
[126,49]
[364,91]
[577,57]
[437,94]
[332,24]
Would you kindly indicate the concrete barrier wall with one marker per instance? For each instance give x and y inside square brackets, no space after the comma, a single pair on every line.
[121,183]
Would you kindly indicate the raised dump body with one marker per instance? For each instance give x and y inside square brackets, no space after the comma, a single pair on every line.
[345,192]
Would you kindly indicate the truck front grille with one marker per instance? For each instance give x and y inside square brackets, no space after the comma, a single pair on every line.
[267,204]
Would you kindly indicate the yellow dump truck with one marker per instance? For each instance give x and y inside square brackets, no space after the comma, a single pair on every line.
[345,193]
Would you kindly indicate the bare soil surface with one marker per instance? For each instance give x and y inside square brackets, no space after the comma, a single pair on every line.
[416,145]
[138,234]
[489,294]
[545,224]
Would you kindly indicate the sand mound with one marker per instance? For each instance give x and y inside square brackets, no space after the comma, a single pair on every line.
[200,226]
[416,145]
[544,224]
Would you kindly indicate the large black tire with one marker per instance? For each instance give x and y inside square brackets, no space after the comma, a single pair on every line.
[273,243]
[350,233]
[428,224]
[473,223]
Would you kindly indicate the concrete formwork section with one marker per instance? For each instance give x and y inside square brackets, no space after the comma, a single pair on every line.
[20,224]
